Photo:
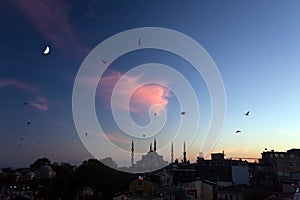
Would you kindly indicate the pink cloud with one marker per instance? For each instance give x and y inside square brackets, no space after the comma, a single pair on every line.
[17,84]
[51,18]
[148,95]
[111,136]
[141,99]
[40,103]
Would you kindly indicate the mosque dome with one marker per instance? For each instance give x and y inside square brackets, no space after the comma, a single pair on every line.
[18,174]
[46,172]
[150,162]
[29,176]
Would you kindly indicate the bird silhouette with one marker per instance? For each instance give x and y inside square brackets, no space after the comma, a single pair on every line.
[103,61]
[28,123]
[22,139]
[238,131]
[247,113]
[155,114]
[144,135]
[140,42]
[25,103]
[86,133]
[182,113]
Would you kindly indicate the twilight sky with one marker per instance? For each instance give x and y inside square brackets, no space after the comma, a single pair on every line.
[255,45]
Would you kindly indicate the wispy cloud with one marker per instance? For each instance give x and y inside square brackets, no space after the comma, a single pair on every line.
[118,139]
[51,18]
[40,103]
[141,99]
[17,84]
[114,137]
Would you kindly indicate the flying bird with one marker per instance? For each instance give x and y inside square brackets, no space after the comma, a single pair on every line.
[155,114]
[144,135]
[25,103]
[238,131]
[47,50]
[247,113]
[182,113]
[140,42]
[103,61]
[28,123]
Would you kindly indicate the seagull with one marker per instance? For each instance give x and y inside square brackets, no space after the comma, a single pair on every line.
[104,62]
[140,41]
[247,113]
[182,113]
[238,131]
[28,123]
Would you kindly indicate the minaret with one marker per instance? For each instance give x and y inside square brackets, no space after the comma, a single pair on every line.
[172,153]
[154,144]
[132,153]
[184,153]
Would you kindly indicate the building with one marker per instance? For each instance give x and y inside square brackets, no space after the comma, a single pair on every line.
[237,192]
[143,185]
[200,190]
[223,171]
[280,164]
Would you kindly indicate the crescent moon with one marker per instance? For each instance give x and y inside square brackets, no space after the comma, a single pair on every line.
[47,50]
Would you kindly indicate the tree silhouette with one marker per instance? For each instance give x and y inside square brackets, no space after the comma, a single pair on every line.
[39,162]
[101,178]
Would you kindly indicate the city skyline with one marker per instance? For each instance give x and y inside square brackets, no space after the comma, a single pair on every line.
[254,44]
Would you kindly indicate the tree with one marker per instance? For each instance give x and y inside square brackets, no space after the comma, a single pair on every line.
[103,179]
[39,162]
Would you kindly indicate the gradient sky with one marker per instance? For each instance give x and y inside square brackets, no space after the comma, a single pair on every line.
[255,44]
